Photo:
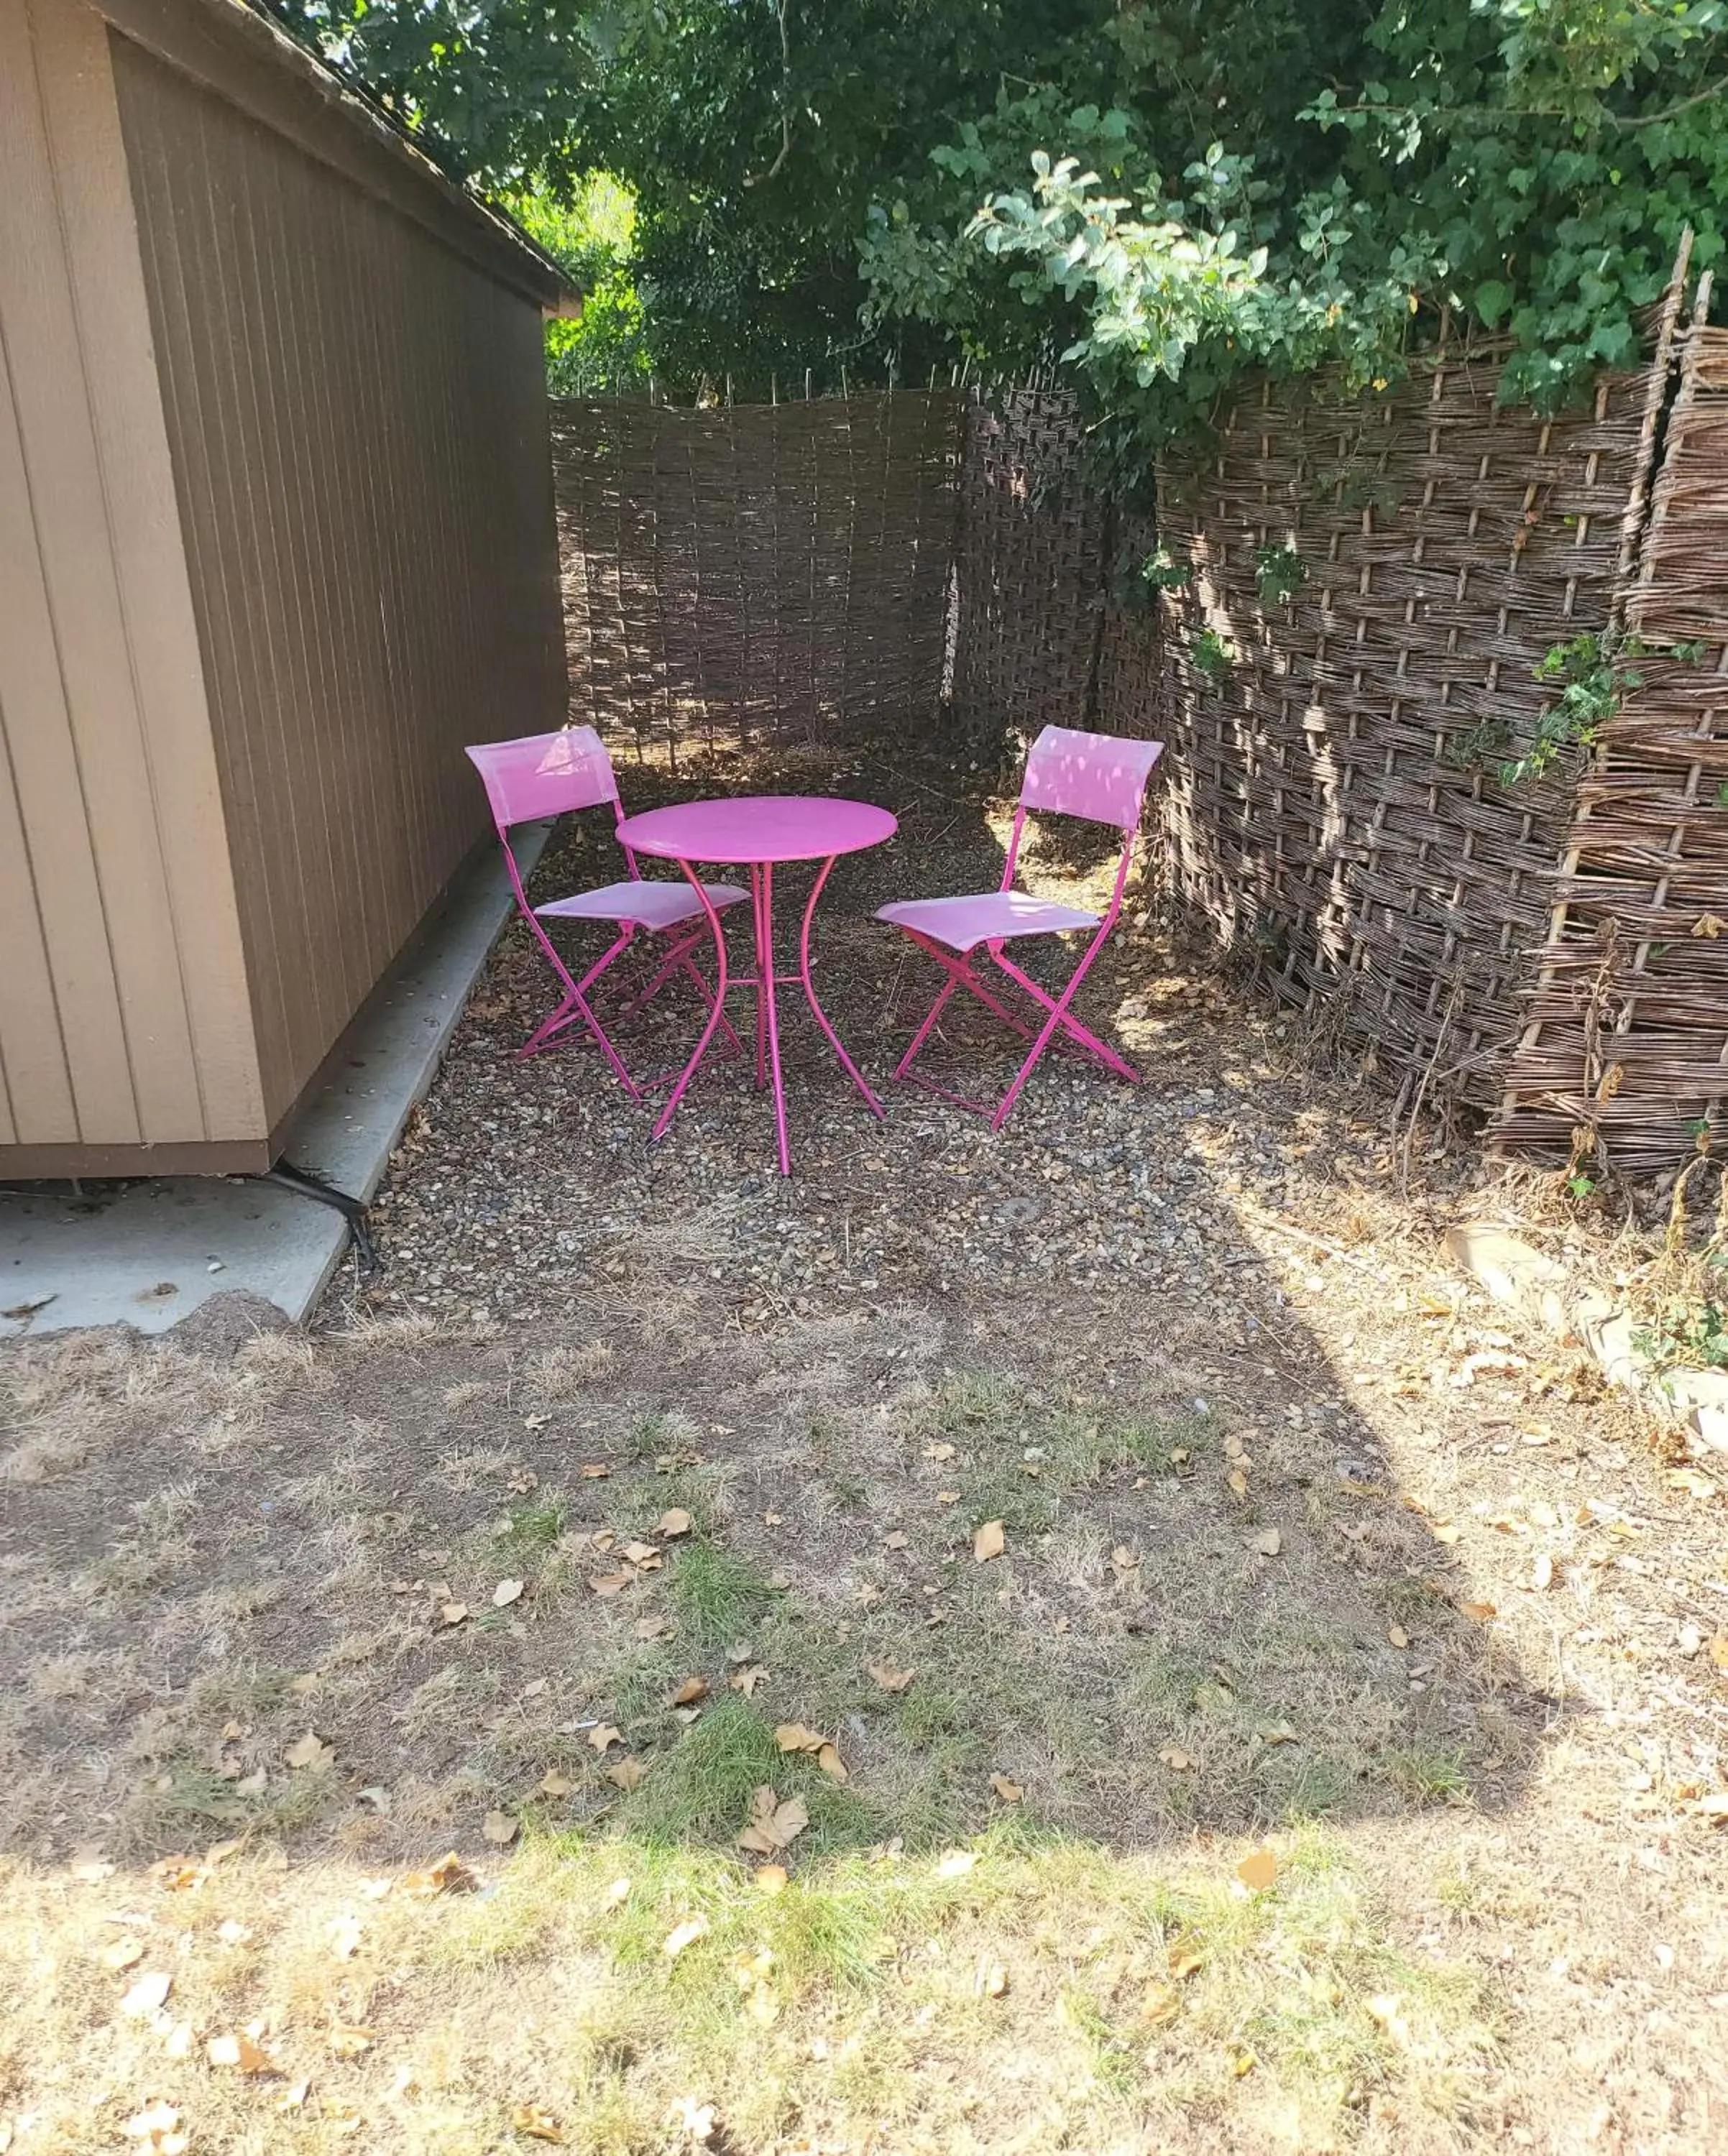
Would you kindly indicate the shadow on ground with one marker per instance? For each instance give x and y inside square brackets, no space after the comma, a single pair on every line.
[1112,1512]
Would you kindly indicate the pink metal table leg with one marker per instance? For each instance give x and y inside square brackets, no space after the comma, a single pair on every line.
[765,966]
[766,982]
[715,1009]
[767,1003]
[850,1068]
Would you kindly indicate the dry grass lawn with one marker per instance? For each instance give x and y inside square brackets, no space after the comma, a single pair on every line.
[1325,1762]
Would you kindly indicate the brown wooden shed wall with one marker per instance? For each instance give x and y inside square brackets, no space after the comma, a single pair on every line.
[123,1013]
[358,428]
[276,539]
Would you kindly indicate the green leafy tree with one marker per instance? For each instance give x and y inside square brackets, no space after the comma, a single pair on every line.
[608,351]
[1158,194]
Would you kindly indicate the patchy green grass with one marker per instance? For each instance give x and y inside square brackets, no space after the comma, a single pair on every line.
[718,1597]
[1022,1989]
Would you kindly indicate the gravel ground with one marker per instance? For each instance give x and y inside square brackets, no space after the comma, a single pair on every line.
[519,1184]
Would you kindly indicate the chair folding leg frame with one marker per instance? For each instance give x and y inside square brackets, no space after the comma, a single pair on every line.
[1060,1024]
[576,1006]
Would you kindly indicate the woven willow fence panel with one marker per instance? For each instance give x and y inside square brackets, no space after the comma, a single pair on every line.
[1029,565]
[1327,801]
[755,573]
[1629,1037]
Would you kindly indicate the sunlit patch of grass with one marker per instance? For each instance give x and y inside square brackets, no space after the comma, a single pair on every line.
[872,2000]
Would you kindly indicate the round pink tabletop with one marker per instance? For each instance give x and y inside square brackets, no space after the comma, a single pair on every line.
[757,827]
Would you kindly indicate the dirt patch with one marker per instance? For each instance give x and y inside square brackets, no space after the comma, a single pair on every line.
[634,1458]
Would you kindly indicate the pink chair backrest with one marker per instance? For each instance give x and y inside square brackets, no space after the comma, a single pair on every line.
[1097,776]
[544,774]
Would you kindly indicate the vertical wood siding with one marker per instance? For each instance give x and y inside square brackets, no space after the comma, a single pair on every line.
[359,429]
[123,1008]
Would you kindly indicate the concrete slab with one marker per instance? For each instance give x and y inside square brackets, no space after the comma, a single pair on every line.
[147,1253]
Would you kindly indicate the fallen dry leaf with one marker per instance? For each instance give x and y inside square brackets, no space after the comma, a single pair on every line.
[674,1524]
[991,1980]
[309,1751]
[121,1953]
[499,1828]
[1010,1792]
[1398,1637]
[506,1592]
[1257,1871]
[654,1626]
[771,1878]
[147,1995]
[889,1678]
[987,1542]
[684,1935]
[644,1555]
[687,1694]
[746,1681]
[610,1583]
[448,1876]
[1717,1649]
[238,2050]
[1481,1611]
[832,1765]
[1542,1573]
[177,1875]
[938,1451]
[956,1864]
[1238,1481]
[1176,1758]
[555,1784]
[595,1471]
[695,2119]
[1269,1543]
[453,1612]
[342,1936]
[158,2128]
[1162,2003]
[772,1825]
[603,1737]
[628,1773]
[794,1737]
[1446,1533]
[534,2121]
[348,2040]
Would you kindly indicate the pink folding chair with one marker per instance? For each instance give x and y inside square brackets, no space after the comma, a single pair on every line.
[1068,773]
[547,775]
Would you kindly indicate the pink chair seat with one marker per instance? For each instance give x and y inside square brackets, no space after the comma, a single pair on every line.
[1101,777]
[963,923]
[652,906]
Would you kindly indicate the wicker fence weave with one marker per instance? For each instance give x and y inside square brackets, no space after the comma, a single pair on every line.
[1629,1032]
[1330,804]
[1373,586]
[755,573]
[1028,571]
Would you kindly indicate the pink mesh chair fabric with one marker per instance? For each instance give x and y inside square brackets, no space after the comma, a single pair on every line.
[545,775]
[1097,776]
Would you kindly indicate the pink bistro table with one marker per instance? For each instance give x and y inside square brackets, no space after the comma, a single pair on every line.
[760,832]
